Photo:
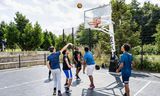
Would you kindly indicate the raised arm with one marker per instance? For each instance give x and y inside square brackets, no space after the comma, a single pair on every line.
[65,47]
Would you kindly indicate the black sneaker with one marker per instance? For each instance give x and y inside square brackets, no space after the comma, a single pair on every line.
[77,77]
[59,93]
[65,85]
[68,90]
[124,94]
[54,91]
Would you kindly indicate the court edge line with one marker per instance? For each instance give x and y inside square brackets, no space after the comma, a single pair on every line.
[142,88]
[137,79]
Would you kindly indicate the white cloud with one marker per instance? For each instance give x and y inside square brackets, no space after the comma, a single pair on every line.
[53,15]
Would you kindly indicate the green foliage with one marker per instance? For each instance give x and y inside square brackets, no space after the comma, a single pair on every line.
[37,35]
[47,40]
[150,63]
[136,50]
[157,37]
[126,28]
[3,29]
[82,36]
[21,21]
[147,49]
[28,39]
[150,18]
[53,38]
[150,49]
[12,36]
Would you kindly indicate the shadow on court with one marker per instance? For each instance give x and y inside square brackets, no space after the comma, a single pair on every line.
[109,90]
[140,75]
[47,81]
[76,83]
[87,92]
[66,94]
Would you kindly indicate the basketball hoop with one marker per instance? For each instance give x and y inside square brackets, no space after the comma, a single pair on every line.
[95,22]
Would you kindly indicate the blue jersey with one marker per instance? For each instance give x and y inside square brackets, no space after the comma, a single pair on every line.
[88,57]
[126,59]
[54,60]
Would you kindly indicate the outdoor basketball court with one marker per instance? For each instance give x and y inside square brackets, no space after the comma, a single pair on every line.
[33,81]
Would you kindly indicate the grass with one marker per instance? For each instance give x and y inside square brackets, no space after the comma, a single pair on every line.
[150,63]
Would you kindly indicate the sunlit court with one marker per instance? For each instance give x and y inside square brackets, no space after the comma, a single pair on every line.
[79,47]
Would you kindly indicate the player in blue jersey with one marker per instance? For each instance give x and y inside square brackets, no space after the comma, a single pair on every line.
[126,61]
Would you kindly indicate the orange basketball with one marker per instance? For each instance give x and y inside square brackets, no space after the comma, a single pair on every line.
[79,5]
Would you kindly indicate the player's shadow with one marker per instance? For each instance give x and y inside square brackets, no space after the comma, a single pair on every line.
[140,75]
[47,81]
[66,94]
[87,92]
[109,90]
[75,83]
[99,92]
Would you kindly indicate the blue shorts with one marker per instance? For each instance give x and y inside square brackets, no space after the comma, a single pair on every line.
[68,74]
[125,79]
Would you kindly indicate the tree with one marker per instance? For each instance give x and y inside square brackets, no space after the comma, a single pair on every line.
[3,31]
[126,28]
[53,38]
[12,35]
[149,19]
[59,42]
[87,36]
[37,35]
[157,37]
[47,40]
[21,22]
[28,38]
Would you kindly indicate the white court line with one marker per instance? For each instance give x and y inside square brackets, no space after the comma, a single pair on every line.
[142,88]
[22,84]
[137,78]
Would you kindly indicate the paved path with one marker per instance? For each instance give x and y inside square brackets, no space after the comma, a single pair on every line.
[33,82]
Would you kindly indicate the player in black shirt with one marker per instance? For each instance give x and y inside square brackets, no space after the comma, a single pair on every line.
[67,70]
[77,60]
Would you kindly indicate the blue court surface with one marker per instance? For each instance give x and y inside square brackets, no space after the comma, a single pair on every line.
[33,81]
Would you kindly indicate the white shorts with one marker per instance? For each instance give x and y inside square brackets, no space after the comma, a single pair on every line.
[90,69]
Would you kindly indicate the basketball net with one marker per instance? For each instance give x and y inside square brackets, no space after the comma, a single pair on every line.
[95,22]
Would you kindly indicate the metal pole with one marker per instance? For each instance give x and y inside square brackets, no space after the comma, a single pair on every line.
[19,61]
[63,37]
[45,59]
[73,44]
[72,35]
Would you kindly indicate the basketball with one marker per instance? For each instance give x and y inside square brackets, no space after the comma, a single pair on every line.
[79,5]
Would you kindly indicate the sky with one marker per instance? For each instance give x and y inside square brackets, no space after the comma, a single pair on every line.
[53,15]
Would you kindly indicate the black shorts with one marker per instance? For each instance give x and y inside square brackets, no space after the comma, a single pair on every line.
[125,79]
[78,65]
